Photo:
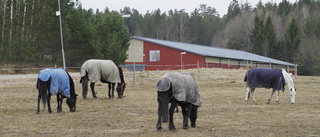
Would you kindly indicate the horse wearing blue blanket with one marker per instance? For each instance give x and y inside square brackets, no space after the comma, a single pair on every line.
[269,78]
[56,82]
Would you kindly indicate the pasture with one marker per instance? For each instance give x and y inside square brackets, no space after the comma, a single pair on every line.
[223,111]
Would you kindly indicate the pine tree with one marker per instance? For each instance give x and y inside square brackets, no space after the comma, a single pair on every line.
[233,10]
[292,40]
[257,35]
[274,49]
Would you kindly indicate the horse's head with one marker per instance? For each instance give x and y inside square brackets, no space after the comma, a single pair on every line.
[292,93]
[120,89]
[73,96]
[72,102]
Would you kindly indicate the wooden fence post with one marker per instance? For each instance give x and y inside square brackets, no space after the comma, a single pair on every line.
[295,70]
[198,72]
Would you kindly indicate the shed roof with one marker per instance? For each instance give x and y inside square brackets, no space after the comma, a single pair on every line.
[213,51]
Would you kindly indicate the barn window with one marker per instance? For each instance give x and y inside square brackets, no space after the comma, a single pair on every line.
[154,55]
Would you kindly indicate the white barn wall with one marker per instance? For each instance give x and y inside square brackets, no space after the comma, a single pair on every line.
[134,52]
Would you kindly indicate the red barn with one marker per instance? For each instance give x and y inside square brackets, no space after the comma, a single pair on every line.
[154,54]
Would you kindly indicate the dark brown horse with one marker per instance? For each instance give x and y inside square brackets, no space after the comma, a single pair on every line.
[56,82]
[105,71]
[178,89]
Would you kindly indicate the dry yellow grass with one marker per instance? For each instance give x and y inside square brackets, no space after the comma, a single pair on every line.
[224,112]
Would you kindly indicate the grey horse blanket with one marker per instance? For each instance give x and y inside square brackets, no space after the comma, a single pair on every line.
[60,82]
[103,70]
[267,78]
[184,87]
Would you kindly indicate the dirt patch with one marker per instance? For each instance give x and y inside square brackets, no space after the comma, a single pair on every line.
[223,113]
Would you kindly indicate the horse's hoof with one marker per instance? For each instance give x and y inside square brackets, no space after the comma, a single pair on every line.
[159,129]
[38,113]
[84,97]
[96,98]
[185,127]
[172,128]
[59,111]
[193,125]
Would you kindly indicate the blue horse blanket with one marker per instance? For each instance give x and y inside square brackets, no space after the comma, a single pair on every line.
[264,77]
[59,81]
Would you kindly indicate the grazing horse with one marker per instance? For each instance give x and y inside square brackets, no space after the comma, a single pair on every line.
[178,89]
[104,70]
[57,82]
[269,78]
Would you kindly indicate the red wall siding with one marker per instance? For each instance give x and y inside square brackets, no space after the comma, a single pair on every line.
[170,59]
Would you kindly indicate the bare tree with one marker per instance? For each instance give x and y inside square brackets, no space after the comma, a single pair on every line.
[4,17]
[24,17]
[11,23]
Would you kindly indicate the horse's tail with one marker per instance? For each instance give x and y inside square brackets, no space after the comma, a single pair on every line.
[44,98]
[43,92]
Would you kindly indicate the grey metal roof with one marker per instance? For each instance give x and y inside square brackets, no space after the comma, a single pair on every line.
[213,51]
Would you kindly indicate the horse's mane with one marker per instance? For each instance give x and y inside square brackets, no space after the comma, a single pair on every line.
[72,90]
[121,73]
[288,79]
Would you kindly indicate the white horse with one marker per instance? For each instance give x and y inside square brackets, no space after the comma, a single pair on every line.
[277,80]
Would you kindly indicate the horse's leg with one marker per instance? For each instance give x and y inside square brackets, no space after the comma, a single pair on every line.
[186,110]
[59,101]
[39,98]
[171,111]
[253,96]
[247,95]
[109,90]
[93,92]
[159,127]
[113,85]
[193,116]
[277,93]
[48,101]
[272,92]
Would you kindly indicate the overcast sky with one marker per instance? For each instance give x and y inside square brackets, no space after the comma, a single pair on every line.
[165,5]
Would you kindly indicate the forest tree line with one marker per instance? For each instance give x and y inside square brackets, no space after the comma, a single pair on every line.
[30,32]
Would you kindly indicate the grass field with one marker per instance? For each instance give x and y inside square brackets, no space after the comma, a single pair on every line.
[223,112]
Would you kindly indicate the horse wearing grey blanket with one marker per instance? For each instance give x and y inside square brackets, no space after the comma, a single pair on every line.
[105,71]
[178,89]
